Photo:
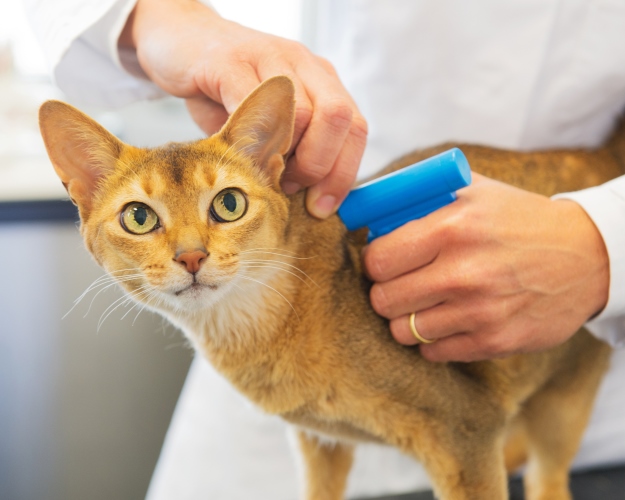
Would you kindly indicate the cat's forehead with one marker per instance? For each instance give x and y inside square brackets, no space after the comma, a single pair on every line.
[179,164]
[178,178]
[189,166]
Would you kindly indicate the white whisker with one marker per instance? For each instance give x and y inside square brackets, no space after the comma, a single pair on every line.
[107,312]
[277,253]
[112,282]
[103,280]
[279,262]
[260,265]
[271,288]
[126,298]
[144,290]
[154,295]
[280,269]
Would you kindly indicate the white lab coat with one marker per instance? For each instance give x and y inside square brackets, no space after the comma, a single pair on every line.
[521,74]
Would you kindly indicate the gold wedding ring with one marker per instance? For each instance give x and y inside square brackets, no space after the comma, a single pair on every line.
[414,331]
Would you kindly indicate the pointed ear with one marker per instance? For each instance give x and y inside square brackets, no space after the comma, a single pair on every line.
[82,152]
[261,128]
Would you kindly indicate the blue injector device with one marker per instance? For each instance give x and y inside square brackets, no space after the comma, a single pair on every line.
[386,203]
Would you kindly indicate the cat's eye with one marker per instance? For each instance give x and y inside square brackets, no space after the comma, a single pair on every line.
[138,218]
[229,205]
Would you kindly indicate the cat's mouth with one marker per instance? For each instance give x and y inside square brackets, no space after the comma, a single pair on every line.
[196,287]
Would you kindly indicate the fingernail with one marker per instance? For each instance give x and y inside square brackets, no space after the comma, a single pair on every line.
[290,187]
[324,206]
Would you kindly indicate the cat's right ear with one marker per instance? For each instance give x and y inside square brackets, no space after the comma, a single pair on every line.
[261,128]
[82,152]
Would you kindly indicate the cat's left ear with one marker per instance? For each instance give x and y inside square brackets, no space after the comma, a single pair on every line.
[262,126]
[82,152]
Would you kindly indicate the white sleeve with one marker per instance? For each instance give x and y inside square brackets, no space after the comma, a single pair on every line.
[79,39]
[605,204]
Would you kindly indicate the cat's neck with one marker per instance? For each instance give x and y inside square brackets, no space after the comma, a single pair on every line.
[253,315]
[268,327]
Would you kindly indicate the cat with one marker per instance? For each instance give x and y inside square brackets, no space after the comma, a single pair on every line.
[277,301]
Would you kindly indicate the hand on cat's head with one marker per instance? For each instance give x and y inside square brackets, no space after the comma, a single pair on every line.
[189,51]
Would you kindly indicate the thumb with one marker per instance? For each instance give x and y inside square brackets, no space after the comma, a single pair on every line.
[206,113]
[230,86]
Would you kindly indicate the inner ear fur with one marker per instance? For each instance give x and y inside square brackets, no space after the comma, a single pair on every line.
[81,151]
[261,127]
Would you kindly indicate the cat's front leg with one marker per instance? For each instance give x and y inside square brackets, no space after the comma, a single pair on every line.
[326,466]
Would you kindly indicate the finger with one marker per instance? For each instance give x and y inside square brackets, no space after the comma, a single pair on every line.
[467,347]
[303,113]
[459,346]
[414,291]
[329,132]
[206,113]
[335,119]
[324,198]
[405,249]
[321,142]
[231,85]
[432,324]
[487,344]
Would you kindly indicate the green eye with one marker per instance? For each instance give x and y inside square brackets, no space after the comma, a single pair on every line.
[229,205]
[138,218]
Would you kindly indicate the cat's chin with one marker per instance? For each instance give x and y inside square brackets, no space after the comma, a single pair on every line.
[197,296]
[194,289]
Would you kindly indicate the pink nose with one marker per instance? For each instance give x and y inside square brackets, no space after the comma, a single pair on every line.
[192,260]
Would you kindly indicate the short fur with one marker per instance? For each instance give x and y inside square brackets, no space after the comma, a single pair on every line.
[280,305]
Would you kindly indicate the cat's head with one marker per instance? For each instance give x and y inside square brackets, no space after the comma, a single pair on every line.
[176,224]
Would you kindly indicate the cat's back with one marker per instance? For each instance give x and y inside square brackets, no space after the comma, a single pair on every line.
[543,172]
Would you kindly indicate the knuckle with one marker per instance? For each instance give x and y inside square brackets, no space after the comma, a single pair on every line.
[448,230]
[494,344]
[484,314]
[337,114]
[479,317]
[397,332]
[327,65]
[432,353]
[343,177]
[303,115]
[465,277]
[374,263]
[379,300]
[312,170]
[359,128]
[458,282]
[298,49]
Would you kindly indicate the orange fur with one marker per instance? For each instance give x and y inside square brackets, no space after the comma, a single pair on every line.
[280,304]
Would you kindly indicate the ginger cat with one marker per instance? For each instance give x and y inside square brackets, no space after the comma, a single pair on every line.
[276,300]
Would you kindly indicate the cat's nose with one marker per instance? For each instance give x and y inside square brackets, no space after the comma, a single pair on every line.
[192,260]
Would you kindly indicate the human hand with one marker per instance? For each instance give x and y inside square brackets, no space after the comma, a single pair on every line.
[189,51]
[499,271]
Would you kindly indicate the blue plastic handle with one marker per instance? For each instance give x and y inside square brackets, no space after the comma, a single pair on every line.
[386,203]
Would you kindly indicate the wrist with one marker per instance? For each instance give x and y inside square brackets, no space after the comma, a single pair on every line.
[586,241]
[169,37]
[148,15]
